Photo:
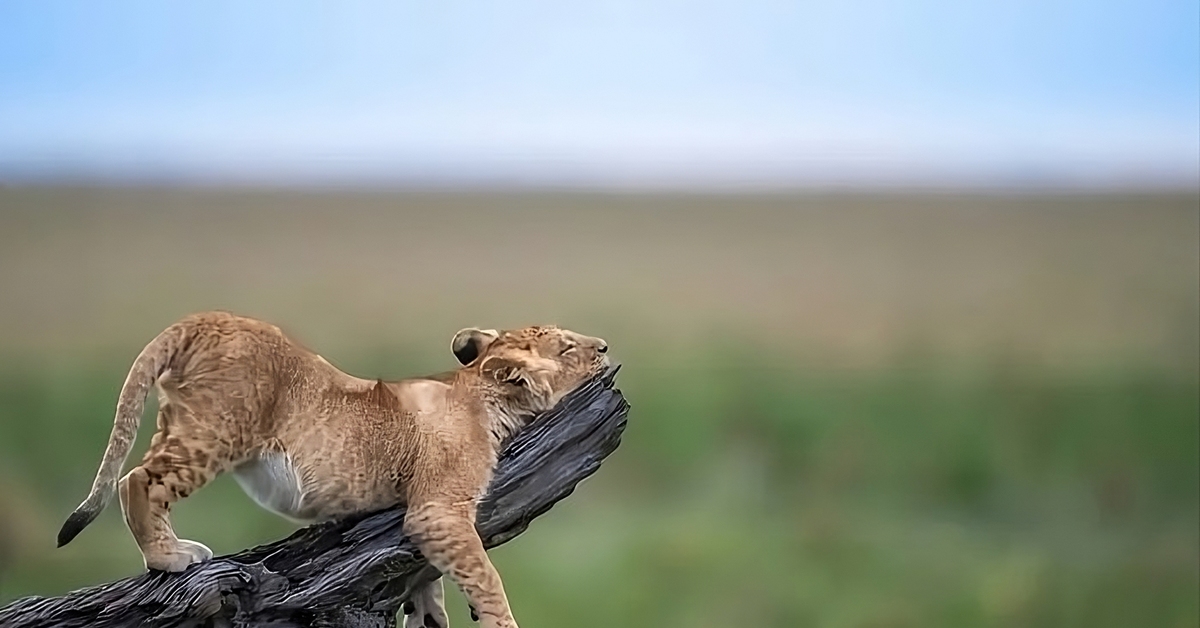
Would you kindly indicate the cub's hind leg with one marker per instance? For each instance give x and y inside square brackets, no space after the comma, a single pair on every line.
[184,455]
[428,607]
[146,514]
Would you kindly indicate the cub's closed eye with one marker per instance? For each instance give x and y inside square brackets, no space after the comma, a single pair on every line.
[567,350]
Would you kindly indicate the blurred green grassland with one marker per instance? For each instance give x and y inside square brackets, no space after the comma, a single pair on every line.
[848,410]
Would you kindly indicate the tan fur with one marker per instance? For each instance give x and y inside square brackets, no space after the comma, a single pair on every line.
[314,443]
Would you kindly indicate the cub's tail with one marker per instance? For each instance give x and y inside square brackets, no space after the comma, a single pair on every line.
[150,364]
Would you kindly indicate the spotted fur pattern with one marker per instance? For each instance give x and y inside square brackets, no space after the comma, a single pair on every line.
[312,443]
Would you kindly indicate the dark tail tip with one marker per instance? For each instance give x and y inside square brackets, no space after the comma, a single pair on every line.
[74,525]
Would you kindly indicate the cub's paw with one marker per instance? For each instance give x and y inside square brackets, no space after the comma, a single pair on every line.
[426,608]
[178,556]
[426,621]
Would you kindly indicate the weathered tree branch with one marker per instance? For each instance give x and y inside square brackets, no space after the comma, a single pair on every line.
[356,572]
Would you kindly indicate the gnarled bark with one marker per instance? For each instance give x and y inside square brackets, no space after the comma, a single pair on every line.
[355,572]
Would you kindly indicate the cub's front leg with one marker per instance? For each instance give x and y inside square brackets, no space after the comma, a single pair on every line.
[445,533]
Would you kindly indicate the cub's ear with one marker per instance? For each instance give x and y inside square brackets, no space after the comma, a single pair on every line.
[506,371]
[470,343]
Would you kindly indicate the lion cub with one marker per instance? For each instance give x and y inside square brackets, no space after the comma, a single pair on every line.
[310,442]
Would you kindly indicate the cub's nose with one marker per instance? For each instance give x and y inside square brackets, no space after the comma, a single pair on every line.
[603,348]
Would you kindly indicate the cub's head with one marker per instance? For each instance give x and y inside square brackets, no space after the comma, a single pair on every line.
[532,368]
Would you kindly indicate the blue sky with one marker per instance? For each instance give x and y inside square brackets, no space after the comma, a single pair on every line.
[1017,92]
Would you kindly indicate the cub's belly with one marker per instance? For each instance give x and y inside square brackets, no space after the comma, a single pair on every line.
[274,481]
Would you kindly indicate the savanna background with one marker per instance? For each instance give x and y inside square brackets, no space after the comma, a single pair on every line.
[907,294]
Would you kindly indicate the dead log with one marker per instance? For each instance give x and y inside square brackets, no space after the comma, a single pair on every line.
[356,572]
